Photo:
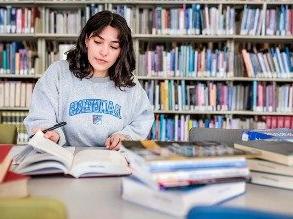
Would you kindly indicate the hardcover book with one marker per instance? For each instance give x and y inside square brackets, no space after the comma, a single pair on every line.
[178,201]
[14,186]
[5,160]
[48,158]
[280,152]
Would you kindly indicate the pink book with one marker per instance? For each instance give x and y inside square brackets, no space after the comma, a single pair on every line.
[280,121]
[291,23]
[269,122]
[287,121]
[260,95]
[274,122]
[248,64]
[274,102]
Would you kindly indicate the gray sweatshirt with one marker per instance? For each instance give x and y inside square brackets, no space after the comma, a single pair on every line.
[93,108]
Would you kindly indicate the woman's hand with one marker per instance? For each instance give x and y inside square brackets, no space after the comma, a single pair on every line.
[52,135]
[114,141]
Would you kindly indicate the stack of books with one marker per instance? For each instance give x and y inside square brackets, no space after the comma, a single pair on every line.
[12,185]
[172,177]
[274,163]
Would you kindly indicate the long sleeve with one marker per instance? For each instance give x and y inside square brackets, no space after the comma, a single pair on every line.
[43,112]
[142,116]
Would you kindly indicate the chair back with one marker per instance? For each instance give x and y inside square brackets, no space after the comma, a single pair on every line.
[8,134]
[225,136]
[32,208]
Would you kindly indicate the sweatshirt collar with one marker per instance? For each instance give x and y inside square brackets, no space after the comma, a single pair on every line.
[100,79]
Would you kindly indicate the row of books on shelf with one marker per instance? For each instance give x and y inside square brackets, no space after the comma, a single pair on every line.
[184,19]
[188,19]
[56,51]
[272,21]
[270,64]
[62,21]
[176,127]
[15,93]
[211,96]
[185,60]
[18,58]
[28,19]
[19,19]
[205,61]
[16,118]
[216,20]
[72,20]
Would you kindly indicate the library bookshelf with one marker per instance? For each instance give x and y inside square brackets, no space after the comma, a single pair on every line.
[225,64]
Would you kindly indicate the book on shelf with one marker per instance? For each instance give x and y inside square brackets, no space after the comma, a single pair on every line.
[173,164]
[281,134]
[5,160]
[178,201]
[277,151]
[14,186]
[76,161]
[15,93]
[212,97]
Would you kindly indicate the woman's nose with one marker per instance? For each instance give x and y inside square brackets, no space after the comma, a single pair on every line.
[104,50]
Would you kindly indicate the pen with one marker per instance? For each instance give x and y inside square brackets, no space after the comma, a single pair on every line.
[52,128]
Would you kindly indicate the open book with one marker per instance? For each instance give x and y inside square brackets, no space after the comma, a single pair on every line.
[77,161]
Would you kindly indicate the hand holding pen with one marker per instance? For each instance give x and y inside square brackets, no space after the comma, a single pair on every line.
[51,134]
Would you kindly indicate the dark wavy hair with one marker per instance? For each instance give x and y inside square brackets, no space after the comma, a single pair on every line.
[121,71]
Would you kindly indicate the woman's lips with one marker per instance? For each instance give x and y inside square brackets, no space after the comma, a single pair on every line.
[101,61]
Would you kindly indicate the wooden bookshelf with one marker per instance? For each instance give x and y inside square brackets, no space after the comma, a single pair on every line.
[43,38]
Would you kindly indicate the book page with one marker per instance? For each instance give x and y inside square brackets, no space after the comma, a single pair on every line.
[36,163]
[99,162]
[46,145]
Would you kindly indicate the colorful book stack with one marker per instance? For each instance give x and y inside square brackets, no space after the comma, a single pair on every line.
[172,177]
[274,166]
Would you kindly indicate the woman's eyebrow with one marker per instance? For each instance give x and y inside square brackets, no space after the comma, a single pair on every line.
[114,41]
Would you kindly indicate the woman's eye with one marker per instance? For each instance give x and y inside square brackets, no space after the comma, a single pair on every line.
[113,47]
[97,42]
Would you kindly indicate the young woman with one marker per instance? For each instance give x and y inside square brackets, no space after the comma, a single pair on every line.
[94,90]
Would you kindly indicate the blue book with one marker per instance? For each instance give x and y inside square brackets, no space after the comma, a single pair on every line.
[223,212]
[280,134]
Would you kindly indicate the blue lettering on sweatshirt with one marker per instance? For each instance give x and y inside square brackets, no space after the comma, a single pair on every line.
[95,106]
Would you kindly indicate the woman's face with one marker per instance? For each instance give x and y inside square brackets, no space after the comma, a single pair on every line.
[103,50]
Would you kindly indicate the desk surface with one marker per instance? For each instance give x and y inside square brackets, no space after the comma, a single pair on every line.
[101,198]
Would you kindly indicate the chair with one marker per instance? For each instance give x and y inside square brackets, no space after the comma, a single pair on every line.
[32,208]
[219,212]
[8,134]
[226,136]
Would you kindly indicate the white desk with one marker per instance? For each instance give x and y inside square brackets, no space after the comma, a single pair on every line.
[90,198]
